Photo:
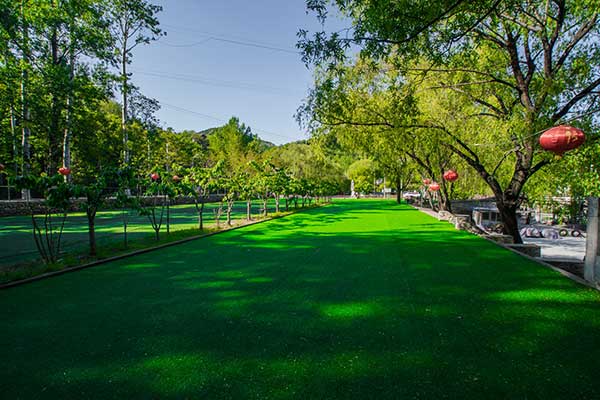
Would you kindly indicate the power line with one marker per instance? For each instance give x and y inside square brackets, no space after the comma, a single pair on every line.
[186,45]
[184,29]
[566,121]
[217,82]
[212,117]
[227,39]
[192,112]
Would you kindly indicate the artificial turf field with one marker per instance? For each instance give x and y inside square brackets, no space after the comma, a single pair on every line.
[357,300]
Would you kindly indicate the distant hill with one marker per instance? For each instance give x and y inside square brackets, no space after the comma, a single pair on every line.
[202,137]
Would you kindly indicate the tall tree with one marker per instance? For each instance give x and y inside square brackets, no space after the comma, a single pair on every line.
[25,110]
[532,63]
[87,35]
[234,143]
[135,23]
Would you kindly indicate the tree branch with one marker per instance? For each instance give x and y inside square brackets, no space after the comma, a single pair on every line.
[582,94]
[581,33]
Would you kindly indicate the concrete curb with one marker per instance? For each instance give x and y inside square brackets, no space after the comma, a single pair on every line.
[142,251]
[567,274]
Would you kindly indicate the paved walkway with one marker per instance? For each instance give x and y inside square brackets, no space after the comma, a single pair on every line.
[359,300]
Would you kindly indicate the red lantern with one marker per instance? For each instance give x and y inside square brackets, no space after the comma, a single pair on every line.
[426,181]
[434,187]
[562,138]
[154,176]
[176,178]
[64,171]
[450,176]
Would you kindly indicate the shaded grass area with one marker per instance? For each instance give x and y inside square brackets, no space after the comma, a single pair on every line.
[17,245]
[361,299]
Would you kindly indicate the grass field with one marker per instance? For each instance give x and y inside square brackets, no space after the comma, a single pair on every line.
[357,300]
[17,245]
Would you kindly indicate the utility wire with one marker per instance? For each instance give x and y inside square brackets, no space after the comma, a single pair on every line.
[188,30]
[216,82]
[185,45]
[575,118]
[226,39]
[212,117]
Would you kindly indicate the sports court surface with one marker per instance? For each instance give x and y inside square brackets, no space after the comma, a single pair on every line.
[356,300]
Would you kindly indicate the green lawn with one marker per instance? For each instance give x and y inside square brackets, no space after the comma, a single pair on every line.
[17,245]
[357,300]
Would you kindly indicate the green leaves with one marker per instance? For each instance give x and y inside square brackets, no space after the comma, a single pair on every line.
[363,173]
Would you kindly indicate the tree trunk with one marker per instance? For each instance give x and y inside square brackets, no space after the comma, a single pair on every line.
[14,145]
[265,205]
[249,210]
[68,118]
[124,105]
[444,204]
[67,139]
[125,217]
[168,215]
[510,221]
[431,203]
[201,216]
[218,212]
[200,211]
[26,112]
[55,110]
[229,207]
[276,203]
[91,217]
[287,203]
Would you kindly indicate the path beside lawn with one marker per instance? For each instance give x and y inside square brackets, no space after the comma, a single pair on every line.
[357,300]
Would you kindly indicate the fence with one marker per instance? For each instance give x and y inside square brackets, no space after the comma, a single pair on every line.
[8,192]
[18,245]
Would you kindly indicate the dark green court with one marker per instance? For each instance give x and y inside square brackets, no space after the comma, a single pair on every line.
[357,300]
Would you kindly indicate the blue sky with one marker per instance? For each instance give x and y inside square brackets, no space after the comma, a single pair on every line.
[202,75]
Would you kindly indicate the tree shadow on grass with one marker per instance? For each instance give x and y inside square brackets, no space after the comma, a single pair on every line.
[364,313]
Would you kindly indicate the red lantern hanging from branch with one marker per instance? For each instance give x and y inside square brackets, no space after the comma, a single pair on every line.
[450,176]
[562,138]
[64,171]
[154,176]
[434,187]
[426,182]
[176,178]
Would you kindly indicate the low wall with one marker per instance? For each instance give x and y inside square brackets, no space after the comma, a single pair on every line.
[22,207]
[467,206]
[532,250]
[464,222]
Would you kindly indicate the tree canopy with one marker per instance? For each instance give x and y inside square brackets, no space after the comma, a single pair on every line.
[486,77]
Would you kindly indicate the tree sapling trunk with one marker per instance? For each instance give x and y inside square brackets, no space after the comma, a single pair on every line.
[91,217]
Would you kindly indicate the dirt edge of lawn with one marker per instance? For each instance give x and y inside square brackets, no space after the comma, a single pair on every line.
[567,274]
[96,263]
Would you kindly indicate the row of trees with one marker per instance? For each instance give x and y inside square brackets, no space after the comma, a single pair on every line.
[463,85]
[154,195]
